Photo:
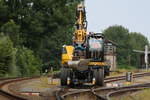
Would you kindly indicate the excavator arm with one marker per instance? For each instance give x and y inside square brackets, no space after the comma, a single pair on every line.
[81,25]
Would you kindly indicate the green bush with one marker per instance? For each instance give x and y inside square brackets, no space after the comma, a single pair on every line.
[6,55]
[28,64]
[126,67]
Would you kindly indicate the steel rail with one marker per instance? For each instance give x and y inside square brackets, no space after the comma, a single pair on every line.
[107,80]
[127,89]
[6,94]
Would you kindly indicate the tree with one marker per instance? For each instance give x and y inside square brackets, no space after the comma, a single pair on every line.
[13,31]
[137,42]
[6,55]
[47,26]
[126,43]
[38,26]
[120,36]
[28,64]
[4,12]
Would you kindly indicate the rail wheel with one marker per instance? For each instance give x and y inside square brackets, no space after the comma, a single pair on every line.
[99,77]
[64,75]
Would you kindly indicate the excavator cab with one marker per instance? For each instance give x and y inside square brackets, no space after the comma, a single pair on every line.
[95,47]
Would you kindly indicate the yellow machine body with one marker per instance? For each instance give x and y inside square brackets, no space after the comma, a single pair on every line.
[67,54]
[80,36]
[101,64]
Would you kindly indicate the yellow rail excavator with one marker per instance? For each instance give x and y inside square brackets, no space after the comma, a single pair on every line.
[83,61]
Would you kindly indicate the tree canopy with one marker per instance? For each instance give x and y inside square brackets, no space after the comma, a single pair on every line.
[6,54]
[126,42]
[37,30]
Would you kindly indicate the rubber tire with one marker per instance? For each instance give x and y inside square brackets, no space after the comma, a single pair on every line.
[99,77]
[63,76]
[71,79]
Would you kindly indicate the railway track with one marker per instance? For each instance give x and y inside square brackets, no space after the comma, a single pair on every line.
[107,93]
[10,95]
[102,93]
[63,93]
[117,78]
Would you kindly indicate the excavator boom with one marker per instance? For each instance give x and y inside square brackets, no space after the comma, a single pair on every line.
[81,25]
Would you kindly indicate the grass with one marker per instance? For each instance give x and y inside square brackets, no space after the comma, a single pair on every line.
[122,69]
[142,95]
[126,67]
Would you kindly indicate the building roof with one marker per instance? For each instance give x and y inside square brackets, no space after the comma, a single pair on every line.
[109,41]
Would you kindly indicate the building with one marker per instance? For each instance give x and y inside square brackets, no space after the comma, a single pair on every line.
[110,54]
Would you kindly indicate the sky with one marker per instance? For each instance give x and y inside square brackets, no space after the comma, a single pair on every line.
[132,14]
